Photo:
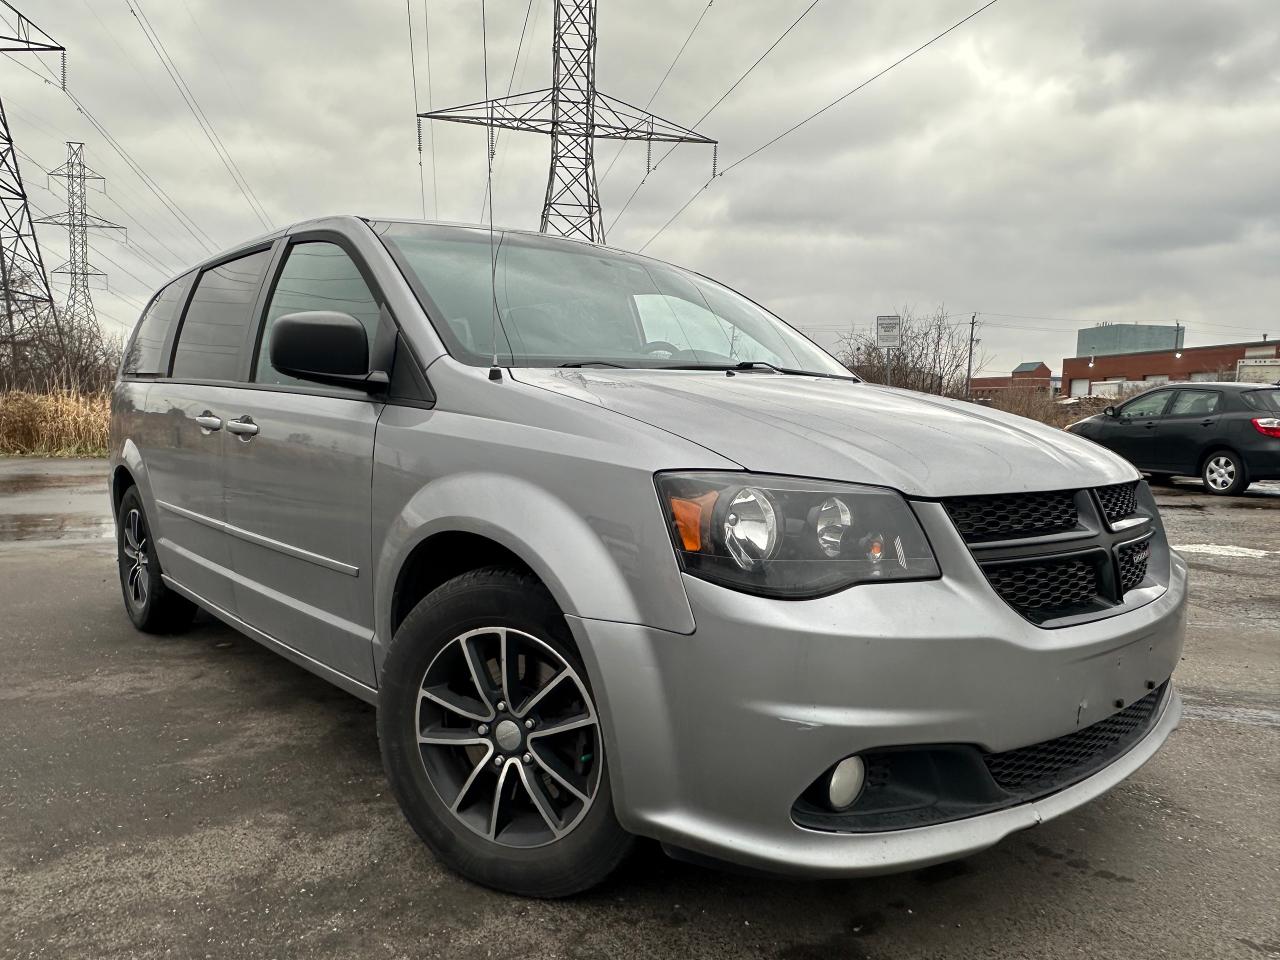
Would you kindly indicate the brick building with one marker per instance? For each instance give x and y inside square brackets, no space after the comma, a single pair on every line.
[1033,375]
[1081,376]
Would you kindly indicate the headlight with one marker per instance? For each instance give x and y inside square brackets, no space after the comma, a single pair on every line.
[782,537]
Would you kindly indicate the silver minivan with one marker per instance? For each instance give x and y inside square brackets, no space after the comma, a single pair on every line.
[617,553]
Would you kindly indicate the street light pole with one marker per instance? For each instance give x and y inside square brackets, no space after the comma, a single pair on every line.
[968,376]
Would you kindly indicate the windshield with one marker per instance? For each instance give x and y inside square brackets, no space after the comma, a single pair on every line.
[560,302]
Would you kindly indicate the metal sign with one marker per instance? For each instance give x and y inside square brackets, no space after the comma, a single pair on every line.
[889,332]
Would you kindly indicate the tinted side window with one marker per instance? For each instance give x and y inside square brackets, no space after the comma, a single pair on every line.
[315,276]
[1195,403]
[1268,400]
[217,318]
[1150,405]
[145,357]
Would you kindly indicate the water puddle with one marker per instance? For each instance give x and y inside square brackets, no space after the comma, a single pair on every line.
[18,483]
[21,527]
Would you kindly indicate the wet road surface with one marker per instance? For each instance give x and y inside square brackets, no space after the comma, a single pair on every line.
[198,796]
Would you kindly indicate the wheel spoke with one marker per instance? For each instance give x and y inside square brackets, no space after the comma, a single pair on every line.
[131,531]
[496,811]
[550,685]
[475,667]
[444,697]
[564,726]
[129,551]
[470,781]
[533,787]
[508,660]
[558,776]
[451,737]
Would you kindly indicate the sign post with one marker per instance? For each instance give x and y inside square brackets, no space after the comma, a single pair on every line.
[888,339]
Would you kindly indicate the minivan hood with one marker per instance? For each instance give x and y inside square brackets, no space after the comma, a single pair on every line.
[834,429]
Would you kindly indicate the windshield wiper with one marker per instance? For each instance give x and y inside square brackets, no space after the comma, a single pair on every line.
[594,363]
[753,364]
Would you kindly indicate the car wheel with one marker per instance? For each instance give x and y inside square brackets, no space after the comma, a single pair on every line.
[1224,473]
[152,606]
[492,741]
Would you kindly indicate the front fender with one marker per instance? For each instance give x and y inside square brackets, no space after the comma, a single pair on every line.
[596,568]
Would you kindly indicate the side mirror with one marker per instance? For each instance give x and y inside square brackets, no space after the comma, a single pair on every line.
[1111,411]
[324,346]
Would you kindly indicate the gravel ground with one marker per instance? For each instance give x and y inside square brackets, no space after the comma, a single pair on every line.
[200,797]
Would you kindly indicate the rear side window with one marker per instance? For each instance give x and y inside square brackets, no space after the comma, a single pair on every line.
[316,276]
[1195,403]
[1265,400]
[146,352]
[217,319]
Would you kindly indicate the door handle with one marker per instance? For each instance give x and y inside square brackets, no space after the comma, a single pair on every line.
[208,422]
[1206,423]
[244,428]
[1149,426]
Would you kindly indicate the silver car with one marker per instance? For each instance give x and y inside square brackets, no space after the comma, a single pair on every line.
[617,553]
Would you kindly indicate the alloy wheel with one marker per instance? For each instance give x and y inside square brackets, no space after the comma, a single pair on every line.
[509,737]
[134,548]
[1220,472]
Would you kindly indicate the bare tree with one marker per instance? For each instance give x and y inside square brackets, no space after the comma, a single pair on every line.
[933,358]
[40,350]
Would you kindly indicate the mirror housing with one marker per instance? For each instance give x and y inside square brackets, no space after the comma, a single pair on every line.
[1111,411]
[324,346]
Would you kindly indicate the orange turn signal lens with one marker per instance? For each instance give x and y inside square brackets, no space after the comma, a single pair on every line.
[692,516]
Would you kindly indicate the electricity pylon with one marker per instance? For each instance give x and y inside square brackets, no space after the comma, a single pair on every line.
[574,114]
[29,315]
[78,314]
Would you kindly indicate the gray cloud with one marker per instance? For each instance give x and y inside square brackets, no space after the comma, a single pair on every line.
[1088,161]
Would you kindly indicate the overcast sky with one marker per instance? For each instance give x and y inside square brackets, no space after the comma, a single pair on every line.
[1068,163]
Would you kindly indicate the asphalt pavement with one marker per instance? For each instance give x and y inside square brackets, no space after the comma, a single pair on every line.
[197,796]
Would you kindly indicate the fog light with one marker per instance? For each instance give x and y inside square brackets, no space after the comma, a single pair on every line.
[846,783]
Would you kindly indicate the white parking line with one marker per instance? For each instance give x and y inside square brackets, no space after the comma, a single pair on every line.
[1225,550]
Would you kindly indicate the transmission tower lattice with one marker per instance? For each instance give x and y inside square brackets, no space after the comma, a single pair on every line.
[574,114]
[78,312]
[30,319]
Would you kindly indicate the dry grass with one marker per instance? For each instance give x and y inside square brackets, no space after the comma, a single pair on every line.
[59,424]
[1038,406]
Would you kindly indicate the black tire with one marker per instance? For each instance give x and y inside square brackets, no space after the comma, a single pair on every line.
[594,844]
[1224,473]
[152,606]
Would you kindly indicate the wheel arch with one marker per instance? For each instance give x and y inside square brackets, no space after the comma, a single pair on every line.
[476,519]
[128,470]
[1219,446]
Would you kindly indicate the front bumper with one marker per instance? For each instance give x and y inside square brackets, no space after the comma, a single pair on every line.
[712,737]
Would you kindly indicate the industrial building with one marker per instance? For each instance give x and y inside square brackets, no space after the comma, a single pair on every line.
[1106,339]
[1033,375]
[1113,375]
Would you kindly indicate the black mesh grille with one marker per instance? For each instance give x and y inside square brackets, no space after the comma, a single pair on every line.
[1118,501]
[1133,564]
[1041,589]
[1055,764]
[1013,515]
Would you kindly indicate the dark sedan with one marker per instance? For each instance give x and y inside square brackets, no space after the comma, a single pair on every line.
[1227,434]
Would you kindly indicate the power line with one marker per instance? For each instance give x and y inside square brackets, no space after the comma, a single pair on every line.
[184,219]
[648,103]
[711,109]
[431,131]
[515,63]
[413,73]
[817,113]
[206,126]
